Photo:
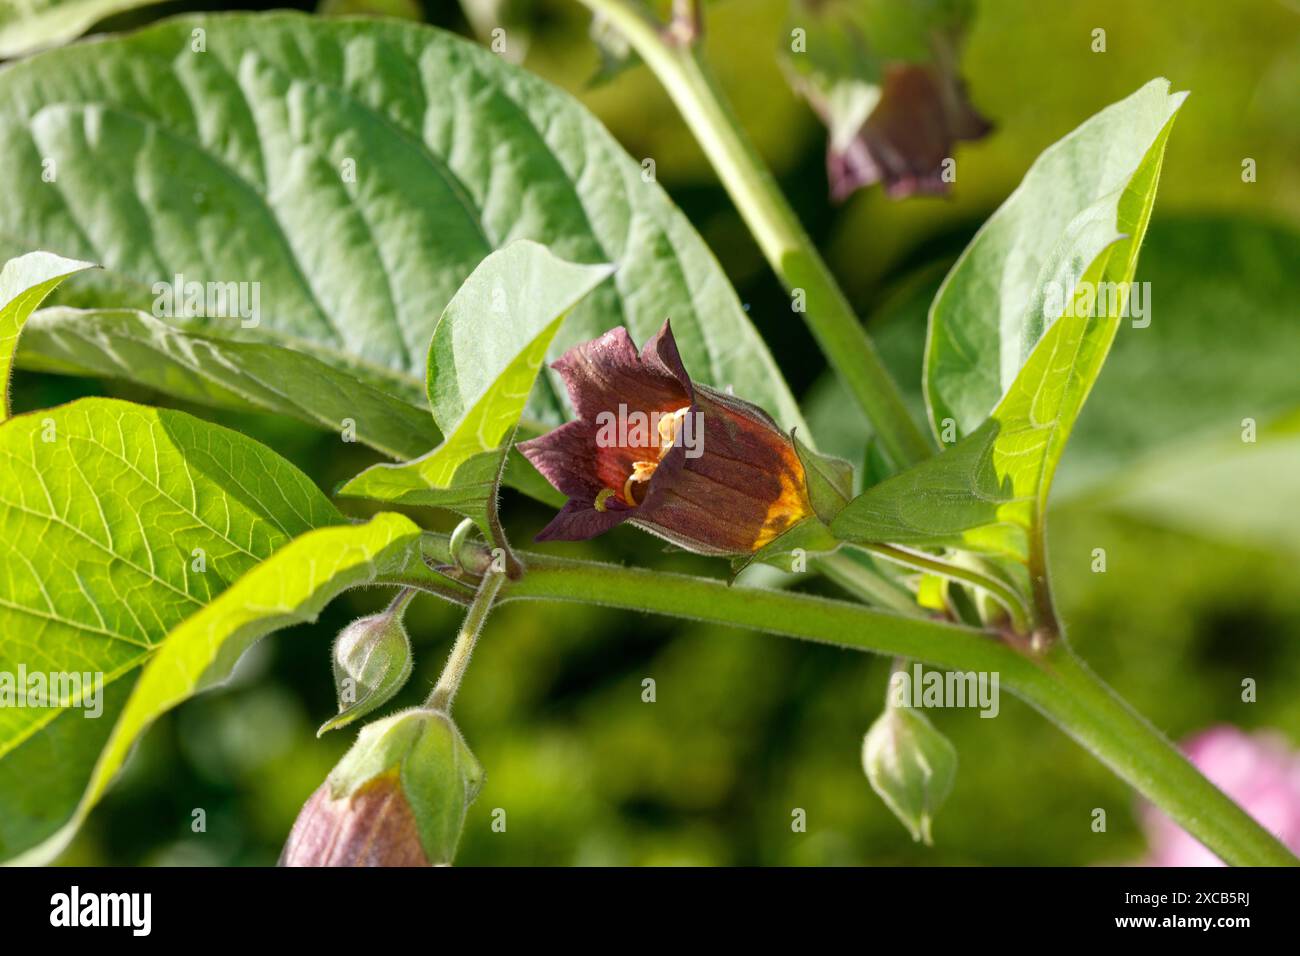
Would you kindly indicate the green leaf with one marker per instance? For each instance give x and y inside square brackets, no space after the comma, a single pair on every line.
[1094,185]
[117,522]
[1201,274]
[357,171]
[957,499]
[24,283]
[483,359]
[290,587]
[911,766]
[989,492]
[126,344]
[28,25]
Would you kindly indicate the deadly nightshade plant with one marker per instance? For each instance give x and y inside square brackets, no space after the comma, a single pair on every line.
[191,541]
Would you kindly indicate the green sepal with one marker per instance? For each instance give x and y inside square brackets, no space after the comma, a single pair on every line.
[440,775]
[807,536]
[829,480]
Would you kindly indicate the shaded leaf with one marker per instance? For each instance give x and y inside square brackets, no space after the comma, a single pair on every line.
[121,343]
[307,133]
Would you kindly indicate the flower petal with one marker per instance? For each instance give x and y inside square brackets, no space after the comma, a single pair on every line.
[566,457]
[579,520]
[606,372]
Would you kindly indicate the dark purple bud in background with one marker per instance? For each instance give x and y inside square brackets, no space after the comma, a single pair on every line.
[883,77]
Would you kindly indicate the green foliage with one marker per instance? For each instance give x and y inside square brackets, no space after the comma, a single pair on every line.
[1086,192]
[308,134]
[456,156]
[1161,433]
[211,370]
[1071,232]
[483,359]
[289,587]
[28,25]
[24,284]
[118,523]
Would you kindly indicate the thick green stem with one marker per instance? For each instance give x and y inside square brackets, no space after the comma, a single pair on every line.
[777,229]
[444,692]
[1086,708]
[1058,685]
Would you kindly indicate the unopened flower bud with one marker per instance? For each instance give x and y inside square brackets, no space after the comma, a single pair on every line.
[397,798]
[911,765]
[372,661]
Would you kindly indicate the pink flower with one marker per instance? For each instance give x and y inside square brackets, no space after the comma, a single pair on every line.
[1260,771]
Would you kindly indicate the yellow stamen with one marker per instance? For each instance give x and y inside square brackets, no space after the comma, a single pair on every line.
[669,427]
[604,495]
[627,489]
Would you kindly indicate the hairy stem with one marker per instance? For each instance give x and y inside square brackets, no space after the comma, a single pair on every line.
[444,692]
[776,228]
[1087,709]
[1059,686]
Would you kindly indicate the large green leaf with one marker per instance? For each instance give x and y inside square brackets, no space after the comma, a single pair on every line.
[292,586]
[24,283]
[127,344]
[27,25]
[357,171]
[989,491]
[1091,186]
[1205,274]
[117,522]
[483,359]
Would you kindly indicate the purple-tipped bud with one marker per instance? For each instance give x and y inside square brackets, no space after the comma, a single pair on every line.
[397,798]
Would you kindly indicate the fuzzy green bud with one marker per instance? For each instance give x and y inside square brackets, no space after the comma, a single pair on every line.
[372,661]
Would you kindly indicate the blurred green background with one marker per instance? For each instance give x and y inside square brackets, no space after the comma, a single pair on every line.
[747,727]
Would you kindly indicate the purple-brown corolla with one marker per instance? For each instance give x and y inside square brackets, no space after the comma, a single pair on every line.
[697,467]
